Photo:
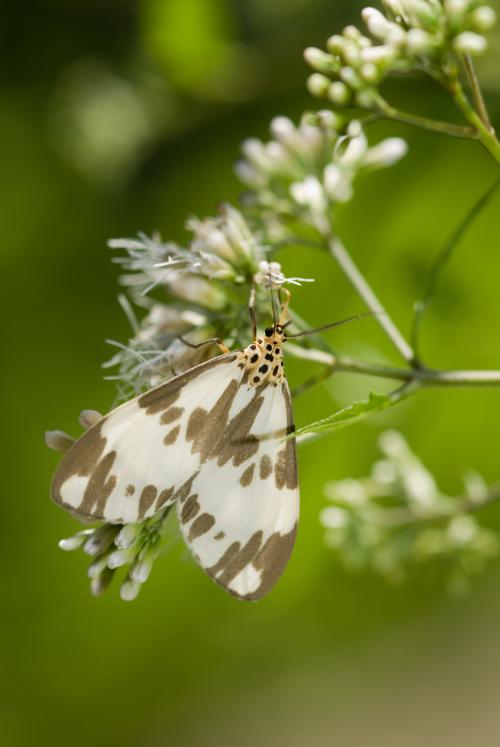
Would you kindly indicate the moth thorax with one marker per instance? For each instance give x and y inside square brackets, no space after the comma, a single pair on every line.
[262,361]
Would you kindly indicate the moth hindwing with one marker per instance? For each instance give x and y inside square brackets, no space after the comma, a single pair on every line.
[213,442]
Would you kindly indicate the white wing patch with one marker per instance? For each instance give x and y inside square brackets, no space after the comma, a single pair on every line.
[214,444]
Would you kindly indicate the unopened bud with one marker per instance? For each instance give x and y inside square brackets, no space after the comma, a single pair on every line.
[483,18]
[470,43]
[339,93]
[318,84]
[88,418]
[319,60]
[58,440]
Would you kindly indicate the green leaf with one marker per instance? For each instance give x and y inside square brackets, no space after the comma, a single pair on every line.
[352,413]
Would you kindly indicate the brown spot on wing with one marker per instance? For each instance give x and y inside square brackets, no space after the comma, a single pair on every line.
[130,490]
[214,436]
[173,413]
[190,508]
[235,559]
[247,476]
[266,467]
[271,560]
[219,535]
[99,487]
[148,496]
[163,497]
[171,436]
[201,525]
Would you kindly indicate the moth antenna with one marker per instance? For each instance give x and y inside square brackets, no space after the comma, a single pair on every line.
[349,319]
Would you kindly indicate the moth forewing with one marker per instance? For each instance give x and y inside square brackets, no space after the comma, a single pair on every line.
[135,460]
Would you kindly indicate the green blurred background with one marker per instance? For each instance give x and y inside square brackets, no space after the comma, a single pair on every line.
[117,117]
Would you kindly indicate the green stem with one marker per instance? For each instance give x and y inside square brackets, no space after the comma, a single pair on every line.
[433,125]
[357,280]
[423,375]
[485,136]
[477,94]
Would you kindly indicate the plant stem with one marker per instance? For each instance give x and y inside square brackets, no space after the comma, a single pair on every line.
[357,280]
[485,135]
[477,94]
[425,376]
[433,125]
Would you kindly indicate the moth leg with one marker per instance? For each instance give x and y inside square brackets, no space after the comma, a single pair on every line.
[213,340]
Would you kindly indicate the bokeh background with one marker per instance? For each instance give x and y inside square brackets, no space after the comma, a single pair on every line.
[117,117]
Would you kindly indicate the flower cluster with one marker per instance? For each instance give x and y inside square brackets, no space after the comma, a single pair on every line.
[411,34]
[205,287]
[397,517]
[133,547]
[306,169]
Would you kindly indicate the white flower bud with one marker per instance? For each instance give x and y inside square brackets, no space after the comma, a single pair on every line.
[335,44]
[100,539]
[334,517]
[129,590]
[386,153]
[309,193]
[97,567]
[254,151]
[353,33]
[58,440]
[142,567]
[462,529]
[366,97]
[379,55]
[284,130]
[121,557]
[127,535]
[75,542]
[351,53]
[100,582]
[470,43]
[249,175]
[419,41]
[381,28]
[393,444]
[456,9]
[88,418]
[370,72]
[339,93]
[483,18]
[337,184]
[422,12]
[350,76]
[319,60]
[349,491]
[317,84]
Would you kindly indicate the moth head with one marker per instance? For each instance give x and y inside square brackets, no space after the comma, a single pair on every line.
[277,330]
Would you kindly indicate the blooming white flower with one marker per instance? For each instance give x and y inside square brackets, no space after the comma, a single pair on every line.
[271,276]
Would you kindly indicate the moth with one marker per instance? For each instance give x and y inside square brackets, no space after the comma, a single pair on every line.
[215,442]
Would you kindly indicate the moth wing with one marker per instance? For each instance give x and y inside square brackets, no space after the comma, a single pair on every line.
[136,459]
[240,516]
